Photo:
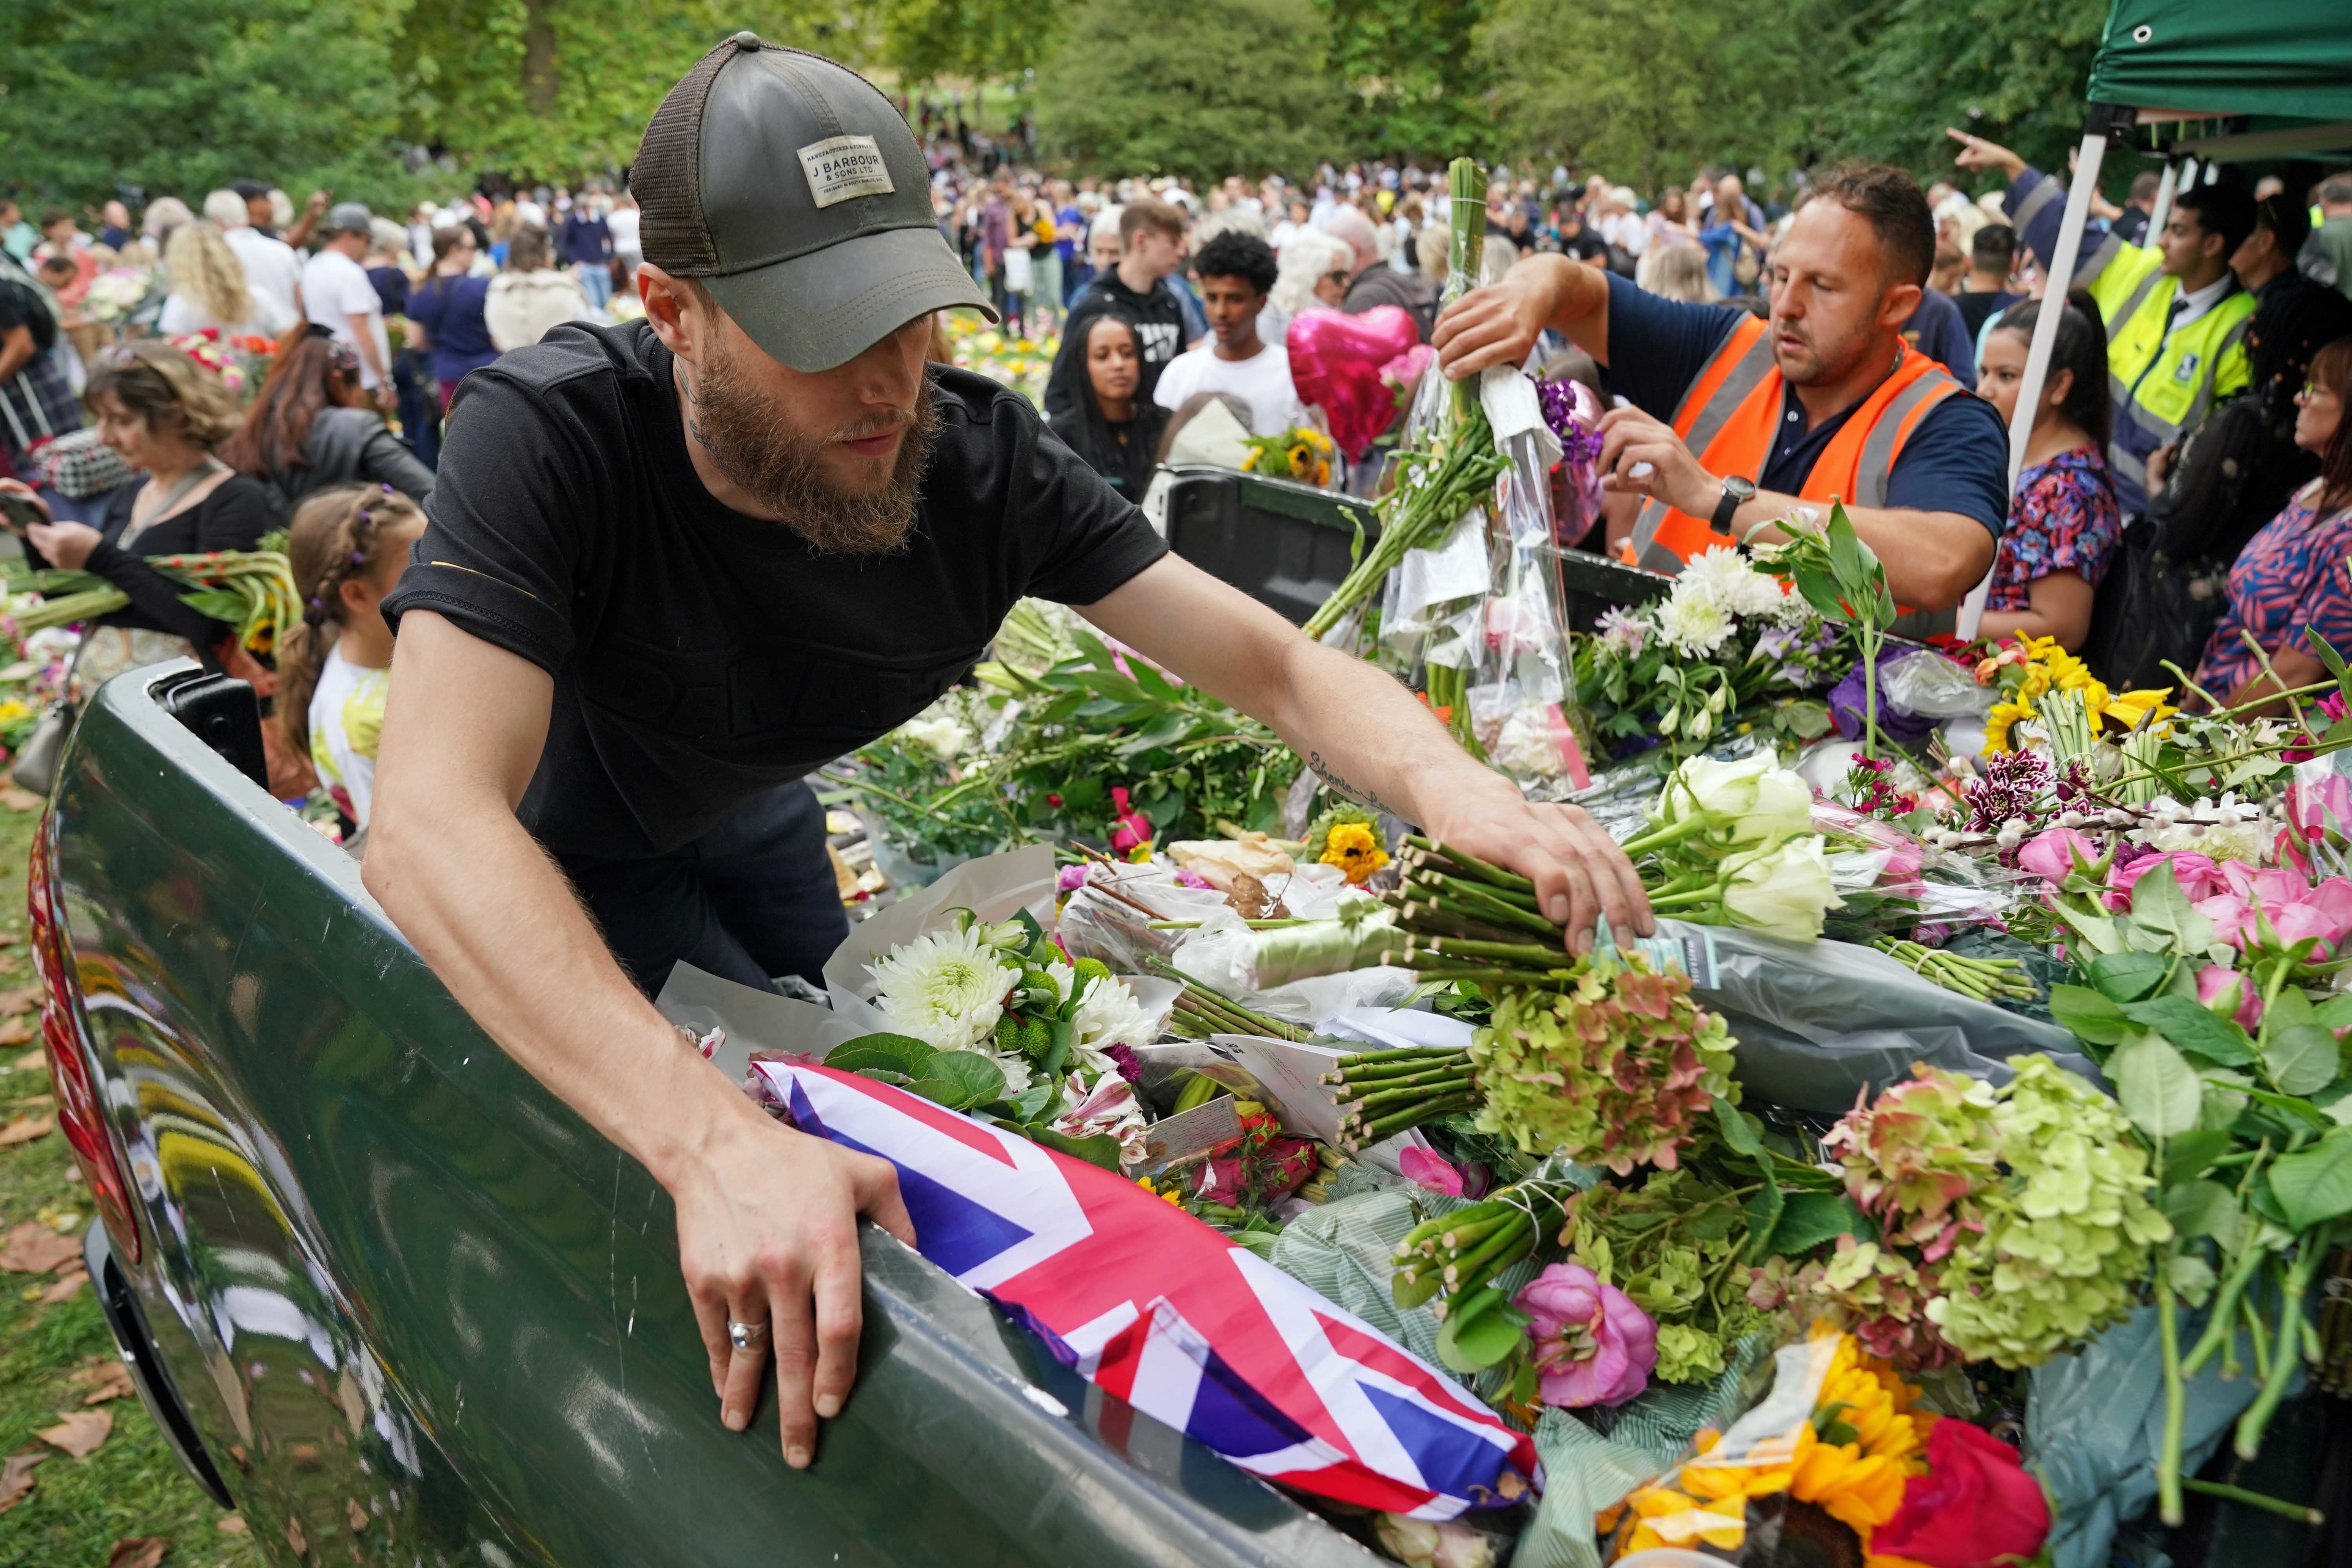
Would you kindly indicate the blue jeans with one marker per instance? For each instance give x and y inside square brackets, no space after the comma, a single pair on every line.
[596,278]
[753,898]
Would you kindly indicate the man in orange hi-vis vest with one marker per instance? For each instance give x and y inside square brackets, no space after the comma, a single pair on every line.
[1739,421]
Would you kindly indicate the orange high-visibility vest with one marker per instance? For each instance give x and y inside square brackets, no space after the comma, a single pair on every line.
[1731,413]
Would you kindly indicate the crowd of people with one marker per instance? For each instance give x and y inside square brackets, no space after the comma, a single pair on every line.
[2187,440]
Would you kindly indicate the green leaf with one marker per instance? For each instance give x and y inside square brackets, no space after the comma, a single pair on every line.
[2159,905]
[1100,1150]
[2196,1031]
[2202,1208]
[1490,1339]
[2190,1277]
[959,1079]
[2089,1014]
[1163,731]
[2189,1154]
[1764,1206]
[1739,1134]
[901,1054]
[2314,1185]
[2156,1086]
[1812,1218]
[2335,1013]
[2299,1056]
[2125,976]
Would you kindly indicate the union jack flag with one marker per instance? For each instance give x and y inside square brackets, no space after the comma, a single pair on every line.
[1151,1305]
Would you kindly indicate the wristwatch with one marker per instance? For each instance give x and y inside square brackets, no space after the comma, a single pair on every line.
[1736,492]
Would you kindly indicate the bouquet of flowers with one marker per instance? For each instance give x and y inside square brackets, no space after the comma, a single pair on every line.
[251,590]
[1726,648]
[1302,453]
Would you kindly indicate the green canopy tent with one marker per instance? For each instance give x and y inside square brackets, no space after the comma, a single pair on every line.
[2193,81]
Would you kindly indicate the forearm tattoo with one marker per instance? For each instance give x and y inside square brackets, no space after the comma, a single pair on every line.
[1322,769]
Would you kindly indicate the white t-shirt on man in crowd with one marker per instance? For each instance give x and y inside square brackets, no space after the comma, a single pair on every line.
[272,273]
[334,289]
[1262,380]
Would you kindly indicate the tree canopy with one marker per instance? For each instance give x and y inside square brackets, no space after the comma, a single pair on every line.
[1208,88]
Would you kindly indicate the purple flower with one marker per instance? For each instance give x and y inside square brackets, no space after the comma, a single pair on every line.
[1070,879]
[1592,1344]
[1123,1058]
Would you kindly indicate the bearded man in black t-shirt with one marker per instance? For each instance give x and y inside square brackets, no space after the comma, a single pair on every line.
[675,566]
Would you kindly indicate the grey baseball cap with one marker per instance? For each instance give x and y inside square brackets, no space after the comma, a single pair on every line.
[349,217]
[793,188]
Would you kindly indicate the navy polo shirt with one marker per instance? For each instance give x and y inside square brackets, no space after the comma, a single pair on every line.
[1955,460]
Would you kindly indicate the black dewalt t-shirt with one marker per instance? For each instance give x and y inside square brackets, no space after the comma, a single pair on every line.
[701,655]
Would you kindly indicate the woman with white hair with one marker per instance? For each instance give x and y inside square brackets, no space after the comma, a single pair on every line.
[208,289]
[1314,272]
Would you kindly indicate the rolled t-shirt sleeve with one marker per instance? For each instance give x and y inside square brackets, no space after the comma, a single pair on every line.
[501,552]
[1082,538]
[1658,346]
[1955,460]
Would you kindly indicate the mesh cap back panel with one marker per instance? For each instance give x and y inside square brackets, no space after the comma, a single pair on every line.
[667,178]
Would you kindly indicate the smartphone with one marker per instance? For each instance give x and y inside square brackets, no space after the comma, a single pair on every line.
[20,514]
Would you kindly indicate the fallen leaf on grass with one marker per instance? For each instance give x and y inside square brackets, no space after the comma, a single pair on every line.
[9,939]
[79,1433]
[25,1129]
[16,1477]
[68,1286]
[21,800]
[16,1032]
[20,999]
[33,1248]
[106,1380]
[356,1514]
[137,1552]
[31,1060]
[37,1101]
[231,1524]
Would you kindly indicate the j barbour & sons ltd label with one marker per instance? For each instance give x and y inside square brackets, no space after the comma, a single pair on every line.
[841,168]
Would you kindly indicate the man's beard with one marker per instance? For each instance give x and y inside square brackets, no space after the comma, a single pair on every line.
[779,465]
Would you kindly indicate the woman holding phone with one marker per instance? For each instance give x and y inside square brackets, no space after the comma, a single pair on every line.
[163,412]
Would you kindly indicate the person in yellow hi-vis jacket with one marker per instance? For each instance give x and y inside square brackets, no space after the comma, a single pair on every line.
[2175,317]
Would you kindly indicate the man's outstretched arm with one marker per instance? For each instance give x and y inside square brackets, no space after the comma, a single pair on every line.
[1370,740]
[767,1218]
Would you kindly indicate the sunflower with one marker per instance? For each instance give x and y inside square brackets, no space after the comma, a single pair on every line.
[1352,846]
[1851,1459]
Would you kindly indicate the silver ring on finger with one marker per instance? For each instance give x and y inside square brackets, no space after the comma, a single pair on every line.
[747,1336]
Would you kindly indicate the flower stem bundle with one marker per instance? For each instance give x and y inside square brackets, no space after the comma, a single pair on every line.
[250,590]
[1454,1260]
[1436,486]
[1382,1093]
[1200,1012]
[1985,979]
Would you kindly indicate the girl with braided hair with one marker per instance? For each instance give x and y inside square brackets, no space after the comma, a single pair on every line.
[347,547]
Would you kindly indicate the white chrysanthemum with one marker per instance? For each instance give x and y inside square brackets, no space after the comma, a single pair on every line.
[1694,623]
[1109,1015]
[1718,573]
[945,988]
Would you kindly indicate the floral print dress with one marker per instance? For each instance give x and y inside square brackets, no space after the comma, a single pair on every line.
[2294,576]
[2062,518]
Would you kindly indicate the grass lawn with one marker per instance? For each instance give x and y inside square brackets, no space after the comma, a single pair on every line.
[129,1487]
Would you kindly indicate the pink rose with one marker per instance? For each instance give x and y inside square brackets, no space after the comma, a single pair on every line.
[1070,879]
[2198,876]
[2219,989]
[1593,1345]
[1427,1171]
[2312,809]
[1133,829]
[2050,855]
[2233,918]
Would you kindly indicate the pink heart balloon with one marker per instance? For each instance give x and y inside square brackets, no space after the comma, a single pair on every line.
[1335,362]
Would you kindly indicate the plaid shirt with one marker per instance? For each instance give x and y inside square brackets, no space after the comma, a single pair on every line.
[34,405]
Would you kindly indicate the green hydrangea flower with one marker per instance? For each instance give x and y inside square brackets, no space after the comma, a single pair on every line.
[1670,1245]
[2067,1231]
[1616,1070]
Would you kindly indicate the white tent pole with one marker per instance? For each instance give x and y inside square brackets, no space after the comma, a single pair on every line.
[2162,210]
[2045,338]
